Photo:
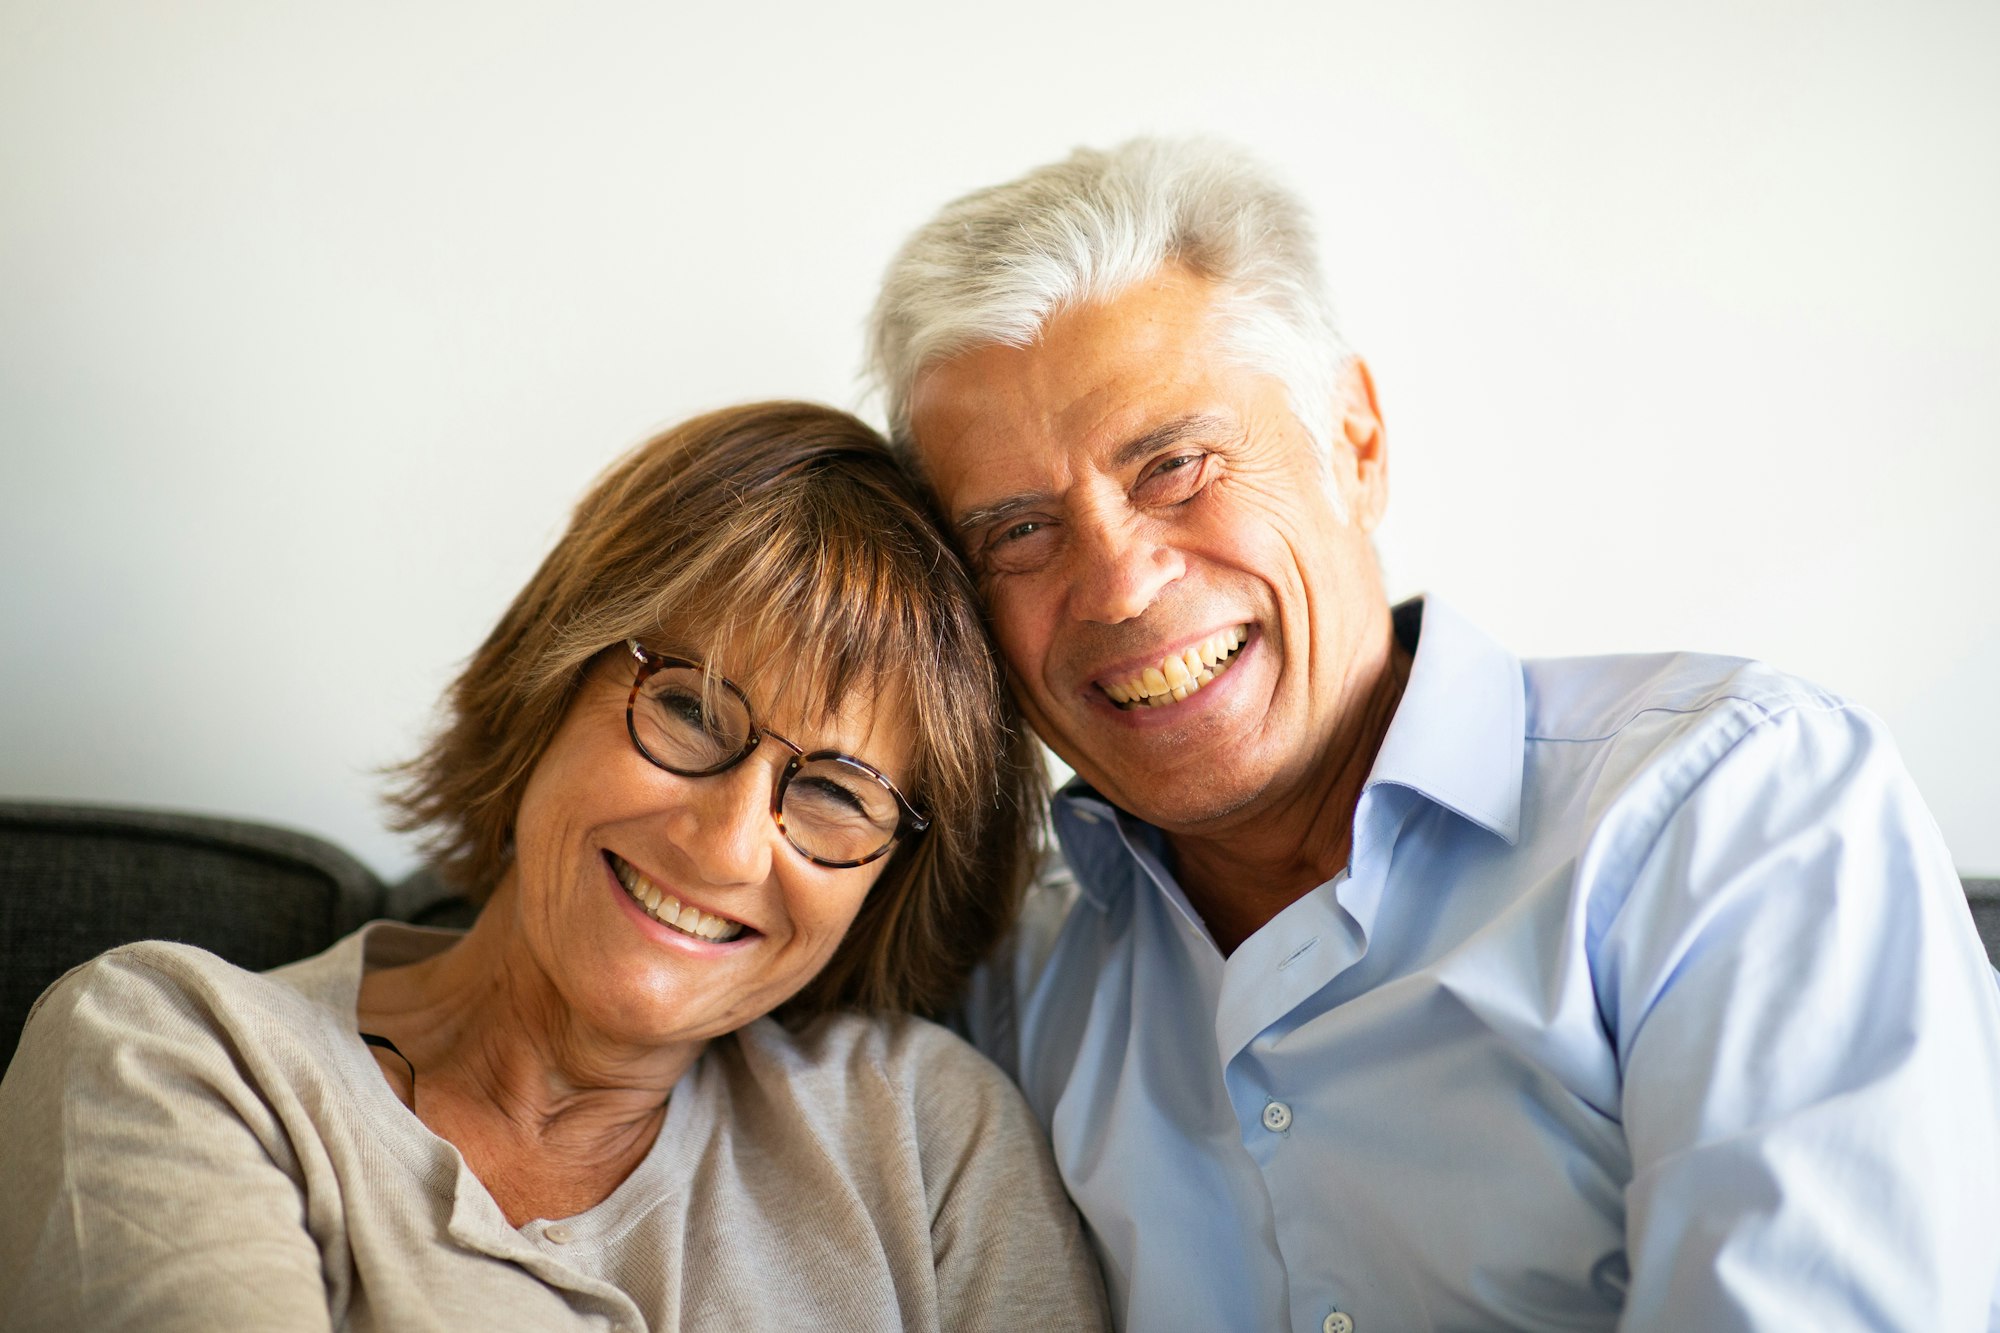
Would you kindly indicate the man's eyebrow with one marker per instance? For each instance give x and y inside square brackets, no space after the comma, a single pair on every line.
[999,509]
[1163,436]
[1168,434]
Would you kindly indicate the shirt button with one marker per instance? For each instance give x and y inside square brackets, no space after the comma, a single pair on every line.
[556,1233]
[1278,1119]
[1337,1322]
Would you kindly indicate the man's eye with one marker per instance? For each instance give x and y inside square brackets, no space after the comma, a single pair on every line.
[1019,531]
[1173,479]
[1017,546]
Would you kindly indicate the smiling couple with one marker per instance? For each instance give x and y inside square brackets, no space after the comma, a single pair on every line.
[1394,983]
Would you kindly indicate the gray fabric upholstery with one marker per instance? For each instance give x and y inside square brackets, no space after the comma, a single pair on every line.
[1984,894]
[423,899]
[76,880]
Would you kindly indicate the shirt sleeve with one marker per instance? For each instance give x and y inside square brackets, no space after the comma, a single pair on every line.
[1008,1246]
[1809,1040]
[146,1184]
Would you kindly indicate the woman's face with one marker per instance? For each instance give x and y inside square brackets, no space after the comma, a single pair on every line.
[600,829]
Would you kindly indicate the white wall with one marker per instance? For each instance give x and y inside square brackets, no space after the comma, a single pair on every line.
[315,318]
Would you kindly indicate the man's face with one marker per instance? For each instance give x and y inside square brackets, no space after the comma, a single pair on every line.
[1127,493]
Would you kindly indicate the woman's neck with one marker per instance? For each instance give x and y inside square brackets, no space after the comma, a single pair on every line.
[550,1115]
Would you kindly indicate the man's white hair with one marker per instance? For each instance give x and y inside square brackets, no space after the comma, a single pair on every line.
[998,264]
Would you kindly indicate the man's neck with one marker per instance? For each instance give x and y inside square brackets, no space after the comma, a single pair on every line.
[1240,877]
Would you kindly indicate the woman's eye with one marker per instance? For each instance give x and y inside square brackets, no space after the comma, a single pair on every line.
[683,707]
[827,796]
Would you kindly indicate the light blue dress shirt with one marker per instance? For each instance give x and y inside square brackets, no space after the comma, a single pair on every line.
[1649,998]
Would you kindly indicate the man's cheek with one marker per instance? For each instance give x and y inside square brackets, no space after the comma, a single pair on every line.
[1024,639]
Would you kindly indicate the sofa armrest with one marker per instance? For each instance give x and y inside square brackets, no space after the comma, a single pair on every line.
[77,880]
[1984,896]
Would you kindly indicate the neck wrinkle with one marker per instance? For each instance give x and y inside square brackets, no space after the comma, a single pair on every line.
[486,1031]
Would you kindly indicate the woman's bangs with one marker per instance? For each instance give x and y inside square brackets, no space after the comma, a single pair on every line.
[817,613]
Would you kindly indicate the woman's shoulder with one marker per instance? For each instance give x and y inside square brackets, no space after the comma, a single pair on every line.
[879,1078]
[144,978]
[170,999]
[944,1147]
[899,1050]
[148,971]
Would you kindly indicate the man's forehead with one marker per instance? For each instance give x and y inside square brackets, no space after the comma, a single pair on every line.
[1101,381]
[1172,304]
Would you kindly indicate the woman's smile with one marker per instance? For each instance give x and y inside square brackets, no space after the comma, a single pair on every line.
[664,908]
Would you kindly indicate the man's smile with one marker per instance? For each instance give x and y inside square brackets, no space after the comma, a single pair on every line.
[1177,674]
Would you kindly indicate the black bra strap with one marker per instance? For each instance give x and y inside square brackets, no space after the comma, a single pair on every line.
[383,1043]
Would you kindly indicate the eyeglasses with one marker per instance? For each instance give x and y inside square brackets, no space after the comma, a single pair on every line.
[835,809]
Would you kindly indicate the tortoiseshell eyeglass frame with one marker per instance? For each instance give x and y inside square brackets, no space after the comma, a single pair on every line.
[910,821]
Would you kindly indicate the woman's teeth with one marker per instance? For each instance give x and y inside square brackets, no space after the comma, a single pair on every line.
[1179,674]
[667,910]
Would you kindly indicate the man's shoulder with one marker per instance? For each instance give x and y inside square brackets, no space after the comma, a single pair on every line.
[1653,697]
[1618,748]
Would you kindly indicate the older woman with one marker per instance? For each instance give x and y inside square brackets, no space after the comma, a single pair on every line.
[736,771]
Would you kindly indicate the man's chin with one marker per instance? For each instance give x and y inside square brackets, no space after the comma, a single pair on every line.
[1192,807]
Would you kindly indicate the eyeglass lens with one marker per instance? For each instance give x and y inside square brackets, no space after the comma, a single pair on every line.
[832,808]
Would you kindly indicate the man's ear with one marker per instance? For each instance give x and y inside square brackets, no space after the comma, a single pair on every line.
[1361,451]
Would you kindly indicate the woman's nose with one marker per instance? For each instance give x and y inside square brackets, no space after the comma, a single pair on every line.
[726,830]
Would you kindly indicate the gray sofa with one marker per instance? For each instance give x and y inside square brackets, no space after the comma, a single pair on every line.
[77,880]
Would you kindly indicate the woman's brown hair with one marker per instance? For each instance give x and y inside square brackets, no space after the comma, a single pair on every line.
[788,529]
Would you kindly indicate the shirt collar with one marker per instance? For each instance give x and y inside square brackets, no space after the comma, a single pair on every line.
[1458,735]
[1457,739]
[1099,840]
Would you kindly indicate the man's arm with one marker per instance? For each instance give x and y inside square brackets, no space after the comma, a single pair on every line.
[1809,1036]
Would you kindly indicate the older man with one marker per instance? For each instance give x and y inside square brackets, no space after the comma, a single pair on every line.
[1408,985]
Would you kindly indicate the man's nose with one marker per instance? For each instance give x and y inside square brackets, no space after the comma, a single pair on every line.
[1117,567]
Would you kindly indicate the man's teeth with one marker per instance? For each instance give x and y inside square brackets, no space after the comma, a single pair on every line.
[1179,674]
[668,910]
